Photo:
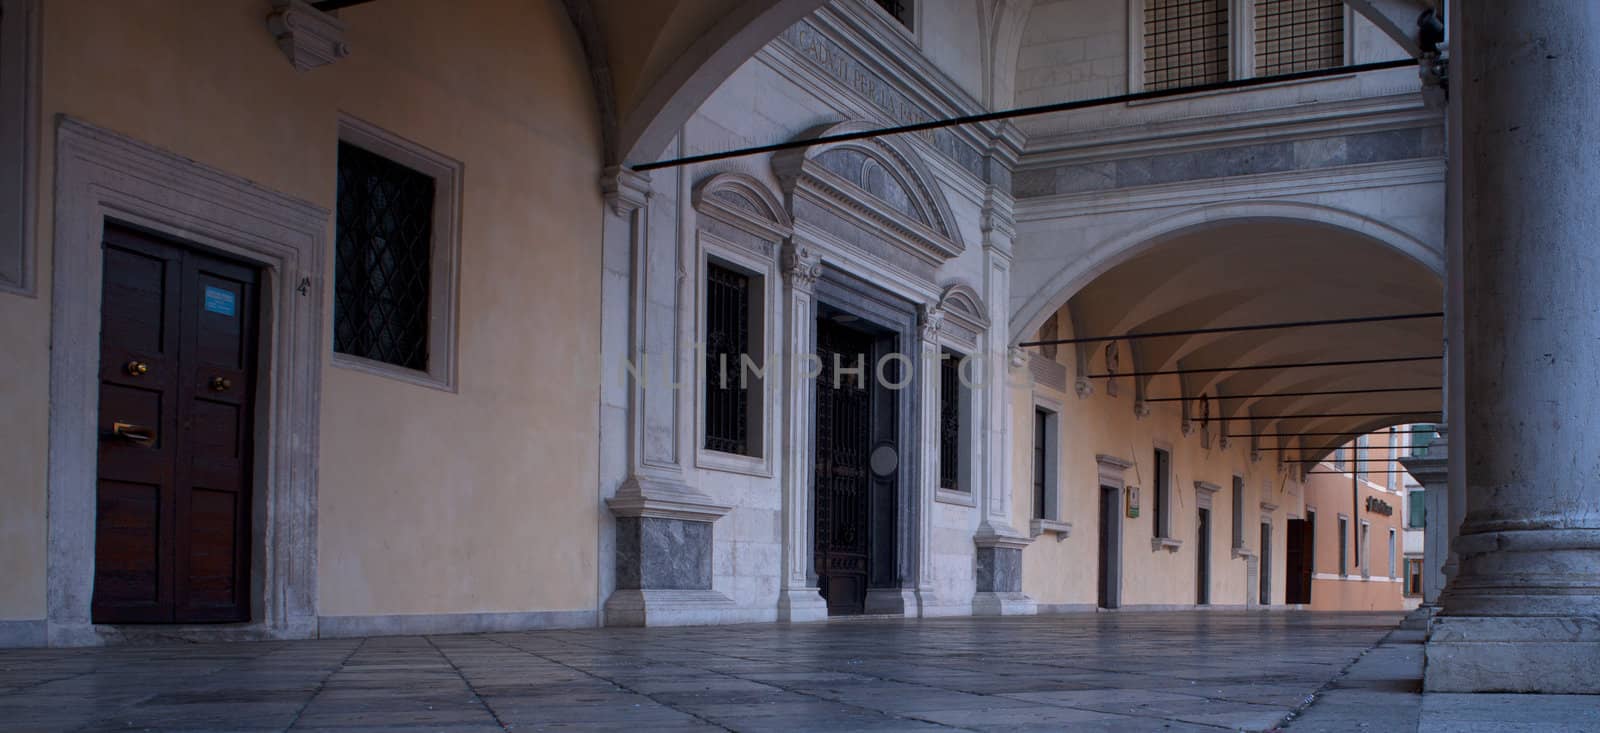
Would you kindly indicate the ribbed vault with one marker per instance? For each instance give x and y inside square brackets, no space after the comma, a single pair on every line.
[1270,271]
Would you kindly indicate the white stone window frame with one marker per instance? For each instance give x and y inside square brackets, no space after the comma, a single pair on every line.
[1163,484]
[1241,42]
[19,143]
[444,257]
[1052,522]
[764,280]
[99,175]
[1343,544]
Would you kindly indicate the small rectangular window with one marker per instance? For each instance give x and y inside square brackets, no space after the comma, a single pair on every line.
[1391,553]
[950,432]
[727,347]
[1160,498]
[1413,576]
[1045,435]
[1363,550]
[901,10]
[1238,511]
[1298,35]
[383,259]
[1311,529]
[1422,436]
[1362,467]
[1185,43]
[1416,509]
[1344,547]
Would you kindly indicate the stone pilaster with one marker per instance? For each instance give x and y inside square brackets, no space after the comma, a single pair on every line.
[930,320]
[1522,613]
[661,539]
[798,596]
[998,544]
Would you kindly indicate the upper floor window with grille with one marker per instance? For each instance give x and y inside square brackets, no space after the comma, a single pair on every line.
[1185,43]
[727,354]
[950,432]
[1298,35]
[901,10]
[1161,498]
[383,259]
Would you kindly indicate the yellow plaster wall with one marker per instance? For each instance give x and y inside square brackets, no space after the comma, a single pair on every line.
[1334,494]
[1066,572]
[430,502]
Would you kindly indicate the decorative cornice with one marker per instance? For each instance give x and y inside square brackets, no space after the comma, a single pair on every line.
[988,538]
[1207,487]
[308,36]
[649,497]
[1111,469]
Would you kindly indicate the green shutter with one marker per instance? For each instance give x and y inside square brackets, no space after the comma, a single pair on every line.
[1418,516]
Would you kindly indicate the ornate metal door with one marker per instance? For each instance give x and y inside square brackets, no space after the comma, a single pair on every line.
[843,485]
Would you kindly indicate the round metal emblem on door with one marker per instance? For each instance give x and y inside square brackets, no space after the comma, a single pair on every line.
[884,460]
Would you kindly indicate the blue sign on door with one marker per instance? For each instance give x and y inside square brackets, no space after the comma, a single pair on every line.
[219,301]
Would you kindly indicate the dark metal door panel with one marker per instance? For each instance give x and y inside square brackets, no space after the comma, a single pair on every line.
[843,484]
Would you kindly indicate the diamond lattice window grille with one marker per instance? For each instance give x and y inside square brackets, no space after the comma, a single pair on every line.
[382,259]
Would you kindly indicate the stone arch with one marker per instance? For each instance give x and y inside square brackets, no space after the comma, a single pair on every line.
[698,69]
[1072,276]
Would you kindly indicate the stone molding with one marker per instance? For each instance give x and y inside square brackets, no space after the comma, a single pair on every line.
[100,175]
[1061,530]
[647,497]
[308,36]
[1203,493]
[341,627]
[743,201]
[624,190]
[1165,543]
[657,607]
[1112,470]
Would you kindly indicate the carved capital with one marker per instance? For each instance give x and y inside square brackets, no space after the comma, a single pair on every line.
[930,318]
[308,36]
[625,190]
[1084,388]
[1255,455]
[801,266]
[1187,427]
[1141,409]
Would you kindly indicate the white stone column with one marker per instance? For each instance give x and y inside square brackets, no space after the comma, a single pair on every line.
[1453,502]
[1523,612]
[798,596]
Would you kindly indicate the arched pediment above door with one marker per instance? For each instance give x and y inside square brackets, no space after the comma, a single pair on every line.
[878,184]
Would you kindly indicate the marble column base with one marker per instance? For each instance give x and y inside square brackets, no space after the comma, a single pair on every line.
[801,605]
[672,608]
[1547,655]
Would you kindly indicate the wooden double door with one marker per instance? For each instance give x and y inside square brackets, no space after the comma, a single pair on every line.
[177,381]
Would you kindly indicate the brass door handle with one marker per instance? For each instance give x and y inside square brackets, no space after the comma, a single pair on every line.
[221,384]
[133,433]
[136,368]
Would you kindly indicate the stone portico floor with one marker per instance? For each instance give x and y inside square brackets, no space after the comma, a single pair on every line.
[1171,671]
